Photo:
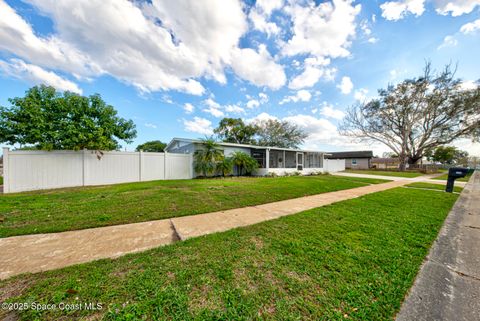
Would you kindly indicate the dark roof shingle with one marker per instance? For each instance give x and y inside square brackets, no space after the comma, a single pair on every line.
[352,154]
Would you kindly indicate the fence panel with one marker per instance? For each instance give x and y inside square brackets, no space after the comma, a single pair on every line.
[111,168]
[36,170]
[153,166]
[32,170]
[334,165]
[179,166]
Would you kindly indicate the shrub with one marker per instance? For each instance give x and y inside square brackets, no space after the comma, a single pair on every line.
[224,167]
[245,163]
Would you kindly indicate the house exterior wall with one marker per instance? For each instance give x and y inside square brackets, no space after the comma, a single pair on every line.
[330,166]
[362,163]
[185,148]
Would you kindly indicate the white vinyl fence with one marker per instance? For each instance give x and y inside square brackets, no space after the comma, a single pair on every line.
[35,170]
[333,165]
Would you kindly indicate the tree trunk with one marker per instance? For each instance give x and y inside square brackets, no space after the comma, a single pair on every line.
[412,160]
[403,162]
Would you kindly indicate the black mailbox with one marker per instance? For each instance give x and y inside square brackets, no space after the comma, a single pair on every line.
[453,174]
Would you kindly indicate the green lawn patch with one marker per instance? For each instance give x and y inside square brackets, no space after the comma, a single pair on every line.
[439,187]
[384,173]
[79,208]
[463,179]
[354,259]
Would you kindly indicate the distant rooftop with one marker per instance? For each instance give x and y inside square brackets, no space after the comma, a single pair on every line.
[351,154]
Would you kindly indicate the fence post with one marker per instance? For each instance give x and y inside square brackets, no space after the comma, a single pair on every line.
[165,162]
[190,159]
[6,182]
[84,155]
[140,160]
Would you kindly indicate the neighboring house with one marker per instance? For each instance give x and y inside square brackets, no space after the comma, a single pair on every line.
[270,159]
[354,159]
[385,162]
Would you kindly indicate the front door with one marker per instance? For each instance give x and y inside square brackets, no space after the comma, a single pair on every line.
[299,161]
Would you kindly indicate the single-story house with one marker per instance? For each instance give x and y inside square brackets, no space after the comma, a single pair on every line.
[354,159]
[270,159]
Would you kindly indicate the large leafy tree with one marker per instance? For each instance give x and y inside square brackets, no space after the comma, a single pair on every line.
[278,133]
[447,155]
[234,130]
[48,120]
[417,115]
[152,146]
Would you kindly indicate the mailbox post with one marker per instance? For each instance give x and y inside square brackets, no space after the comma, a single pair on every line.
[453,174]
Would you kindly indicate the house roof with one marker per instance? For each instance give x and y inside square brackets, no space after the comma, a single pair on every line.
[351,154]
[198,141]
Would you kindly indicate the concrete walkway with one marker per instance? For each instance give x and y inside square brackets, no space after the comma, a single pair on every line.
[448,284]
[41,252]
[426,179]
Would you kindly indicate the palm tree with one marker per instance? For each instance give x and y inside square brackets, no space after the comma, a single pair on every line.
[207,157]
[225,167]
[243,162]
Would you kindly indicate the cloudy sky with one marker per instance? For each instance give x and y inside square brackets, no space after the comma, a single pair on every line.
[177,67]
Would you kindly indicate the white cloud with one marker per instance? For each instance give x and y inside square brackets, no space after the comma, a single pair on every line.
[260,14]
[346,85]
[150,125]
[301,95]
[372,40]
[456,7]
[396,10]
[330,112]
[157,45]
[17,68]
[261,117]
[314,69]
[234,109]
[323,30]
[188,108]
[361,94]
[470,27]
[448,41]
[267,6]
[469,84]
[263,98]
[213,108]
[323,134]
[258,67]
[252,103]
[198,125]
[260,23]
[472,148]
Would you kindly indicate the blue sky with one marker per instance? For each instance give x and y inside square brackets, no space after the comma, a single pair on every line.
[177,67]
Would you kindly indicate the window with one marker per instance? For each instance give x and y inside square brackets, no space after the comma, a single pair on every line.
[313,160]
[290,159]
[276,159]
[354,161]
[260,156]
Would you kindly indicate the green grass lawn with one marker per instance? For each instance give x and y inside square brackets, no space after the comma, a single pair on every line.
[384,173]
[79,208]
[463,179]
[355,259]
[439,187]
